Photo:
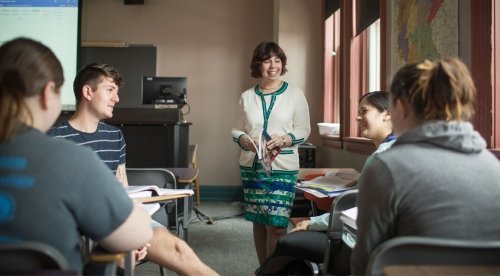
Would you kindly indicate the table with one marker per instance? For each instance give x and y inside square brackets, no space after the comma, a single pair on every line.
[184,223]
[185,178]
[161,198]
[319,200]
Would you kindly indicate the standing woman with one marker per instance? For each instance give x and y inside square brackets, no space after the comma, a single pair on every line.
[281,110]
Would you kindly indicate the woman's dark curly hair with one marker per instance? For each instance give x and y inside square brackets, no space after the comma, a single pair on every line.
[264,51]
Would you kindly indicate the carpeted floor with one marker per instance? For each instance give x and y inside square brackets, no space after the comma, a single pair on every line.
[226,245]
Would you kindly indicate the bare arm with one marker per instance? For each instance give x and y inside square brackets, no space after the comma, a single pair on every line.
[135,232]
[121,175]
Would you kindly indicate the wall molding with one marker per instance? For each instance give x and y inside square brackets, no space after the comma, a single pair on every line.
[221,193]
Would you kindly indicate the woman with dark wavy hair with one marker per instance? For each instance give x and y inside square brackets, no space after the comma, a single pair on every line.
[281,110]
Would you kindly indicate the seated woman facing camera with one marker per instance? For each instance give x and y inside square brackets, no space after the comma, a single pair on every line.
[438,179]
[375,124]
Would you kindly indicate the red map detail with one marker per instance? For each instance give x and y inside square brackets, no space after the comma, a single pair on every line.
[435,6]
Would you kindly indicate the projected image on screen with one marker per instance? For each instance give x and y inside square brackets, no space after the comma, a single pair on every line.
[52,22]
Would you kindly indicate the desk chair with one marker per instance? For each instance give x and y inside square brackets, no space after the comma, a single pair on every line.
[162,178]
[104,262]
[309,252]
[337,255]
[433,251]
[193,162]
[37,258]
[32,258]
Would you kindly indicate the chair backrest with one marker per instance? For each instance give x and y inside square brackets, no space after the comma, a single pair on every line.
[342,202]
[333,255]
[433,251]
[30,257]
[192,151]
[162,178]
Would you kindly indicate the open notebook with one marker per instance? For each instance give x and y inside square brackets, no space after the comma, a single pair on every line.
[152,190]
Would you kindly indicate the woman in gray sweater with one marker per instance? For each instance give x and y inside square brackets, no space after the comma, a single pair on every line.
[438,179]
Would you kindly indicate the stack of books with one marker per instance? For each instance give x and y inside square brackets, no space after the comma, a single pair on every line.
[331,184]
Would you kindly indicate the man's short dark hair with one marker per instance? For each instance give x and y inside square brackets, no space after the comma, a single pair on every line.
[92,75]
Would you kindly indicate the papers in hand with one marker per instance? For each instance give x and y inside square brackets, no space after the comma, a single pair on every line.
[267,156]
[332,183]
[151,190]
[270,154]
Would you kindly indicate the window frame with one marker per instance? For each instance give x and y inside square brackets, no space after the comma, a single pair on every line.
[353,58]
[485,48]
[331,71]
[485,70]
[495,74]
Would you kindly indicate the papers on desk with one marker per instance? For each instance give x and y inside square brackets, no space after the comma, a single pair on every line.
[135,192]
[331,184]
[152,190]
[312,192]
[349,216]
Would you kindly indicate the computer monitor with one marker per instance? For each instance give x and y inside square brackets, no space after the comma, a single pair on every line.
[164,90]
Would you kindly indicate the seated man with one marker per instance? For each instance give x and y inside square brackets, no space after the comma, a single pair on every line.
[96,90]
[53,191]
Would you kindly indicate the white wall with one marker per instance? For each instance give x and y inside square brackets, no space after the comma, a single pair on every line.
[300,35]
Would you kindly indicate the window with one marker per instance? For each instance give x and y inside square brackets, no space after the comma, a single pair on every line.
[374,56]
[485,69]
[331,69]
[366,46]
[352,71]
[360,62]
[495,37]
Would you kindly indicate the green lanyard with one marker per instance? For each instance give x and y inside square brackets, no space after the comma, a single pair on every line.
[267,111]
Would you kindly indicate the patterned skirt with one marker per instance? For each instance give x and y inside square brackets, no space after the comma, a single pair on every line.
[268,199]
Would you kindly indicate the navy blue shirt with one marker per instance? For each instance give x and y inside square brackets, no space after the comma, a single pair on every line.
[107,141]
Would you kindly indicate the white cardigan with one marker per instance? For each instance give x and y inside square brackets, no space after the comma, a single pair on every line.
[282,112]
